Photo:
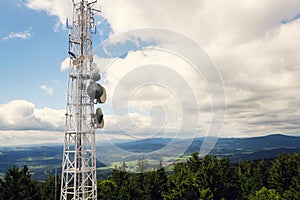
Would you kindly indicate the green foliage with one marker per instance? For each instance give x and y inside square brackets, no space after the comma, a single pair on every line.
[208,178]
[155,184]
[289,195]
[107,189]
[260,175]
[206,194]
[265,194]
[17,184]
[51,188]
[246,179]
[281,173]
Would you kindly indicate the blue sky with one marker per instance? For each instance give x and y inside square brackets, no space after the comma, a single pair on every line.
[259,65]
[29,63]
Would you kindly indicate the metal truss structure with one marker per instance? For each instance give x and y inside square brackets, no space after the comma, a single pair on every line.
[79,153]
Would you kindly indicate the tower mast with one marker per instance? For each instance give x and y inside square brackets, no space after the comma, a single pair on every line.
[79,153]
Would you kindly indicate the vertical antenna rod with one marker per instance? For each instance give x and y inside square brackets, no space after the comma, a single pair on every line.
[79,153]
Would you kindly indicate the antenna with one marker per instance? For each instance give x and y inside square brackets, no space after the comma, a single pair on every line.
[79,154]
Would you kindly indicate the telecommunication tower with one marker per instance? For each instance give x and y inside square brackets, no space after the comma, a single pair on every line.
[79,154]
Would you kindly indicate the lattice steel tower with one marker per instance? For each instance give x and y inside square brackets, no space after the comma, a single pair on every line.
[79,154]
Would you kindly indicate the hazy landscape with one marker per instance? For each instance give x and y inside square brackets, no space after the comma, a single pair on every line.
[44,160]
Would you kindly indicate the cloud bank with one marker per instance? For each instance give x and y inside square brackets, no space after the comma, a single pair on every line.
[253,44]
[22,115]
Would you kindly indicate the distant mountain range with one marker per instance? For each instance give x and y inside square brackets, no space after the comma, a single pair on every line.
[44,159]
[234,148]
[253,148]
[263,142]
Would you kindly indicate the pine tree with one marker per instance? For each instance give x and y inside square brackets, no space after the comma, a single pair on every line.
[107,189]
[294,189]
[245,171]
[119,176]
[51,188]
[142,165]
[155,184]
[261,175]
[17,184]
[181,184]
[226,180]
[282,171]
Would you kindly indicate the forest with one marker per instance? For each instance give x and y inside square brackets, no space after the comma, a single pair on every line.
[208,178]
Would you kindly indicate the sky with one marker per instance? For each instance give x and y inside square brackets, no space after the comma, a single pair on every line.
[171,68]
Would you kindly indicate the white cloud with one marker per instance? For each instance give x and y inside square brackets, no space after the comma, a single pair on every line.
[155,92]
[48,89]
[57,8]
[205,21]
[22,115]
[260,76]
[29,137]
[256,54]
[21,35]
[65,64]
[57,26]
